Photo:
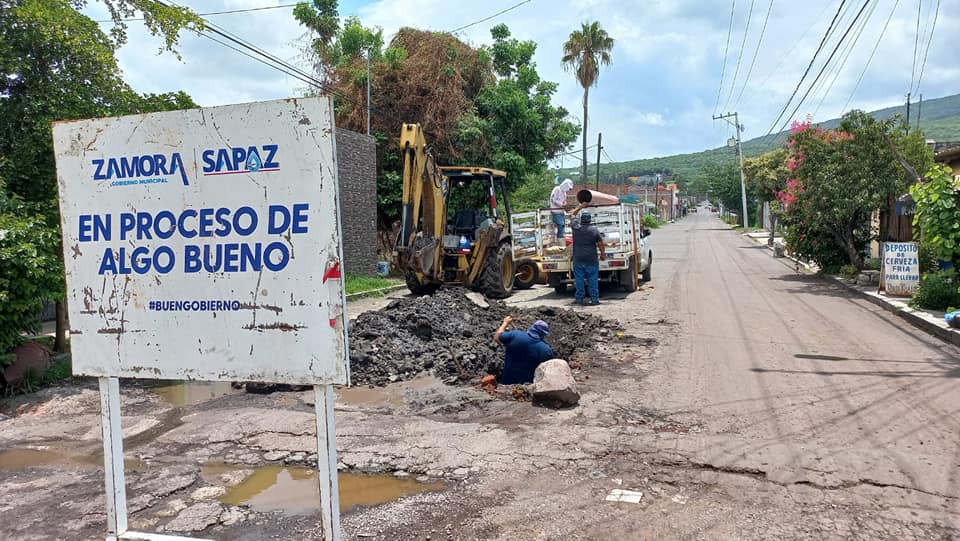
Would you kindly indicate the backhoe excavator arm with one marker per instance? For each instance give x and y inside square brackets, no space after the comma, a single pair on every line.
[423,207]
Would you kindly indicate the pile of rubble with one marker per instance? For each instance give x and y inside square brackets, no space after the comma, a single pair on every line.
[450,333]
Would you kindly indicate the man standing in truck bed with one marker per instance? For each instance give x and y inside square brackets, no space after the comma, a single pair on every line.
[558,202]
[587,242]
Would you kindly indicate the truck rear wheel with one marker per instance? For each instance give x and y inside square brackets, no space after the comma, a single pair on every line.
[646,272]
[498,274]
[628,277]
[527,274]
[420,288]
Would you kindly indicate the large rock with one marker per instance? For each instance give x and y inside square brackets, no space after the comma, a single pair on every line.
[30,357]
[553,382]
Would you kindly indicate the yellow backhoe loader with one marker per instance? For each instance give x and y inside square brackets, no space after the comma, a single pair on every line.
[439,245]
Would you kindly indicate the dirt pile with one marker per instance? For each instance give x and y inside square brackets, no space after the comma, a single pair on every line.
[452,336]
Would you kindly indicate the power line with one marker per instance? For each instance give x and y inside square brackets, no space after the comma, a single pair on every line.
[574,152]
[763,84]
[933,27]
[269,59]
[916,45]
[846,56]
[248,55]
[809,66]
[825,64]
[726,49]
[485,19]
[225,12]
[872,53]
[756,51]
[743,44]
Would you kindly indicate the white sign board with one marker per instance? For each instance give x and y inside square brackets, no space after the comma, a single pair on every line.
[900,272]
[204,244]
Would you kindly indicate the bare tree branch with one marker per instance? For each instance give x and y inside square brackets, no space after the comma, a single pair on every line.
[903,161]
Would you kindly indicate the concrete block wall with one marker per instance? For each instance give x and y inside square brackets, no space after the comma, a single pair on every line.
[357,169]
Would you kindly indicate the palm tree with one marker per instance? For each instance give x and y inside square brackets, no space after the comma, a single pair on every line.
[584,52]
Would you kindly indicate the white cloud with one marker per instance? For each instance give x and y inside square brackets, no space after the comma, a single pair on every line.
[650,119]
[655,99]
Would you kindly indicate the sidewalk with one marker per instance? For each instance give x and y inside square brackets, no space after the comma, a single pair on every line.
[928,321]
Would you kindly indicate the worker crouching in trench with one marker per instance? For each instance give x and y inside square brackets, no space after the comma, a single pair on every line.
[523,351]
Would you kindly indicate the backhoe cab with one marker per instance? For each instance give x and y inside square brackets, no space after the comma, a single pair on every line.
[439,245]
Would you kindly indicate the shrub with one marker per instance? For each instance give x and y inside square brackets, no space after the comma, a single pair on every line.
[937,291]
[30,270]
[650,221]
[928,259]
[849,271]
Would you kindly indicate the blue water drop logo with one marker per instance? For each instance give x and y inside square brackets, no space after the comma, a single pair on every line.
[253,162]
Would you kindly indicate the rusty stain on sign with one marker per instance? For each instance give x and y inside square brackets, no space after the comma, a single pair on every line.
[250,306]
[279,326]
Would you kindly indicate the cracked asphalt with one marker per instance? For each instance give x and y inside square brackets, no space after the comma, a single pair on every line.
[747,402]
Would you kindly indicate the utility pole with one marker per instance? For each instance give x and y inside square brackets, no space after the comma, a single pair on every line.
[368,91]
[599,148]
[908,112]
[743,185]
[919,110]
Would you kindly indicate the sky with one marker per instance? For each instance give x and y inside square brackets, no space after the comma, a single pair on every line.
[669,74]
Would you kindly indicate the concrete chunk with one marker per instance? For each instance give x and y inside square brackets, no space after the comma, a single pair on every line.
[553,382]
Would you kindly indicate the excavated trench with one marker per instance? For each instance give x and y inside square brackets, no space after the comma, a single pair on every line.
[450,334]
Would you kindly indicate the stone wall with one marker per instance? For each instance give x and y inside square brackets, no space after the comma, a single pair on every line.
[356,164]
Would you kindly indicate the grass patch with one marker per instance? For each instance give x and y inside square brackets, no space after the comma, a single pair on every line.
[60,369]
[361,284]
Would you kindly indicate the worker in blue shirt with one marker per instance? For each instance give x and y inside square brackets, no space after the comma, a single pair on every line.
[523,351]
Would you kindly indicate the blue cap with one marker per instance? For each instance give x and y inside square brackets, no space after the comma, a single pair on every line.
[585,217]
[540,329]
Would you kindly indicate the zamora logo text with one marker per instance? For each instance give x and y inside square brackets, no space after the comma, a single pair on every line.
[155,168]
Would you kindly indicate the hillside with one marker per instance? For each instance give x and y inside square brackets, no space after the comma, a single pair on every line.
[940,120]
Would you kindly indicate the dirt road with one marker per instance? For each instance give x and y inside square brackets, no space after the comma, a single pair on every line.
[746,401]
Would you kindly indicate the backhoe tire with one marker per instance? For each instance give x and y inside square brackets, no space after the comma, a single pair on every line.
[527,274]
[628,277]
[555,280]
[645,275]
[498,274]
[419,288]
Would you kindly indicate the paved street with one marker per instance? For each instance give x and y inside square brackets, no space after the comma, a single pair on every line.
[745,401]
[793,377]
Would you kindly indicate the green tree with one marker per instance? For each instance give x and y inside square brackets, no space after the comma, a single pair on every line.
[720,182]
[57,65]
[29,261]
[766,176]
[321,18]
[938,213]
[839,177]
[584,52]
[513,125]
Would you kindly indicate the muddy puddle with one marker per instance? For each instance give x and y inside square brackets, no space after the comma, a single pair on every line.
[189,393]
[22,459]
[295,490]
[392,395]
